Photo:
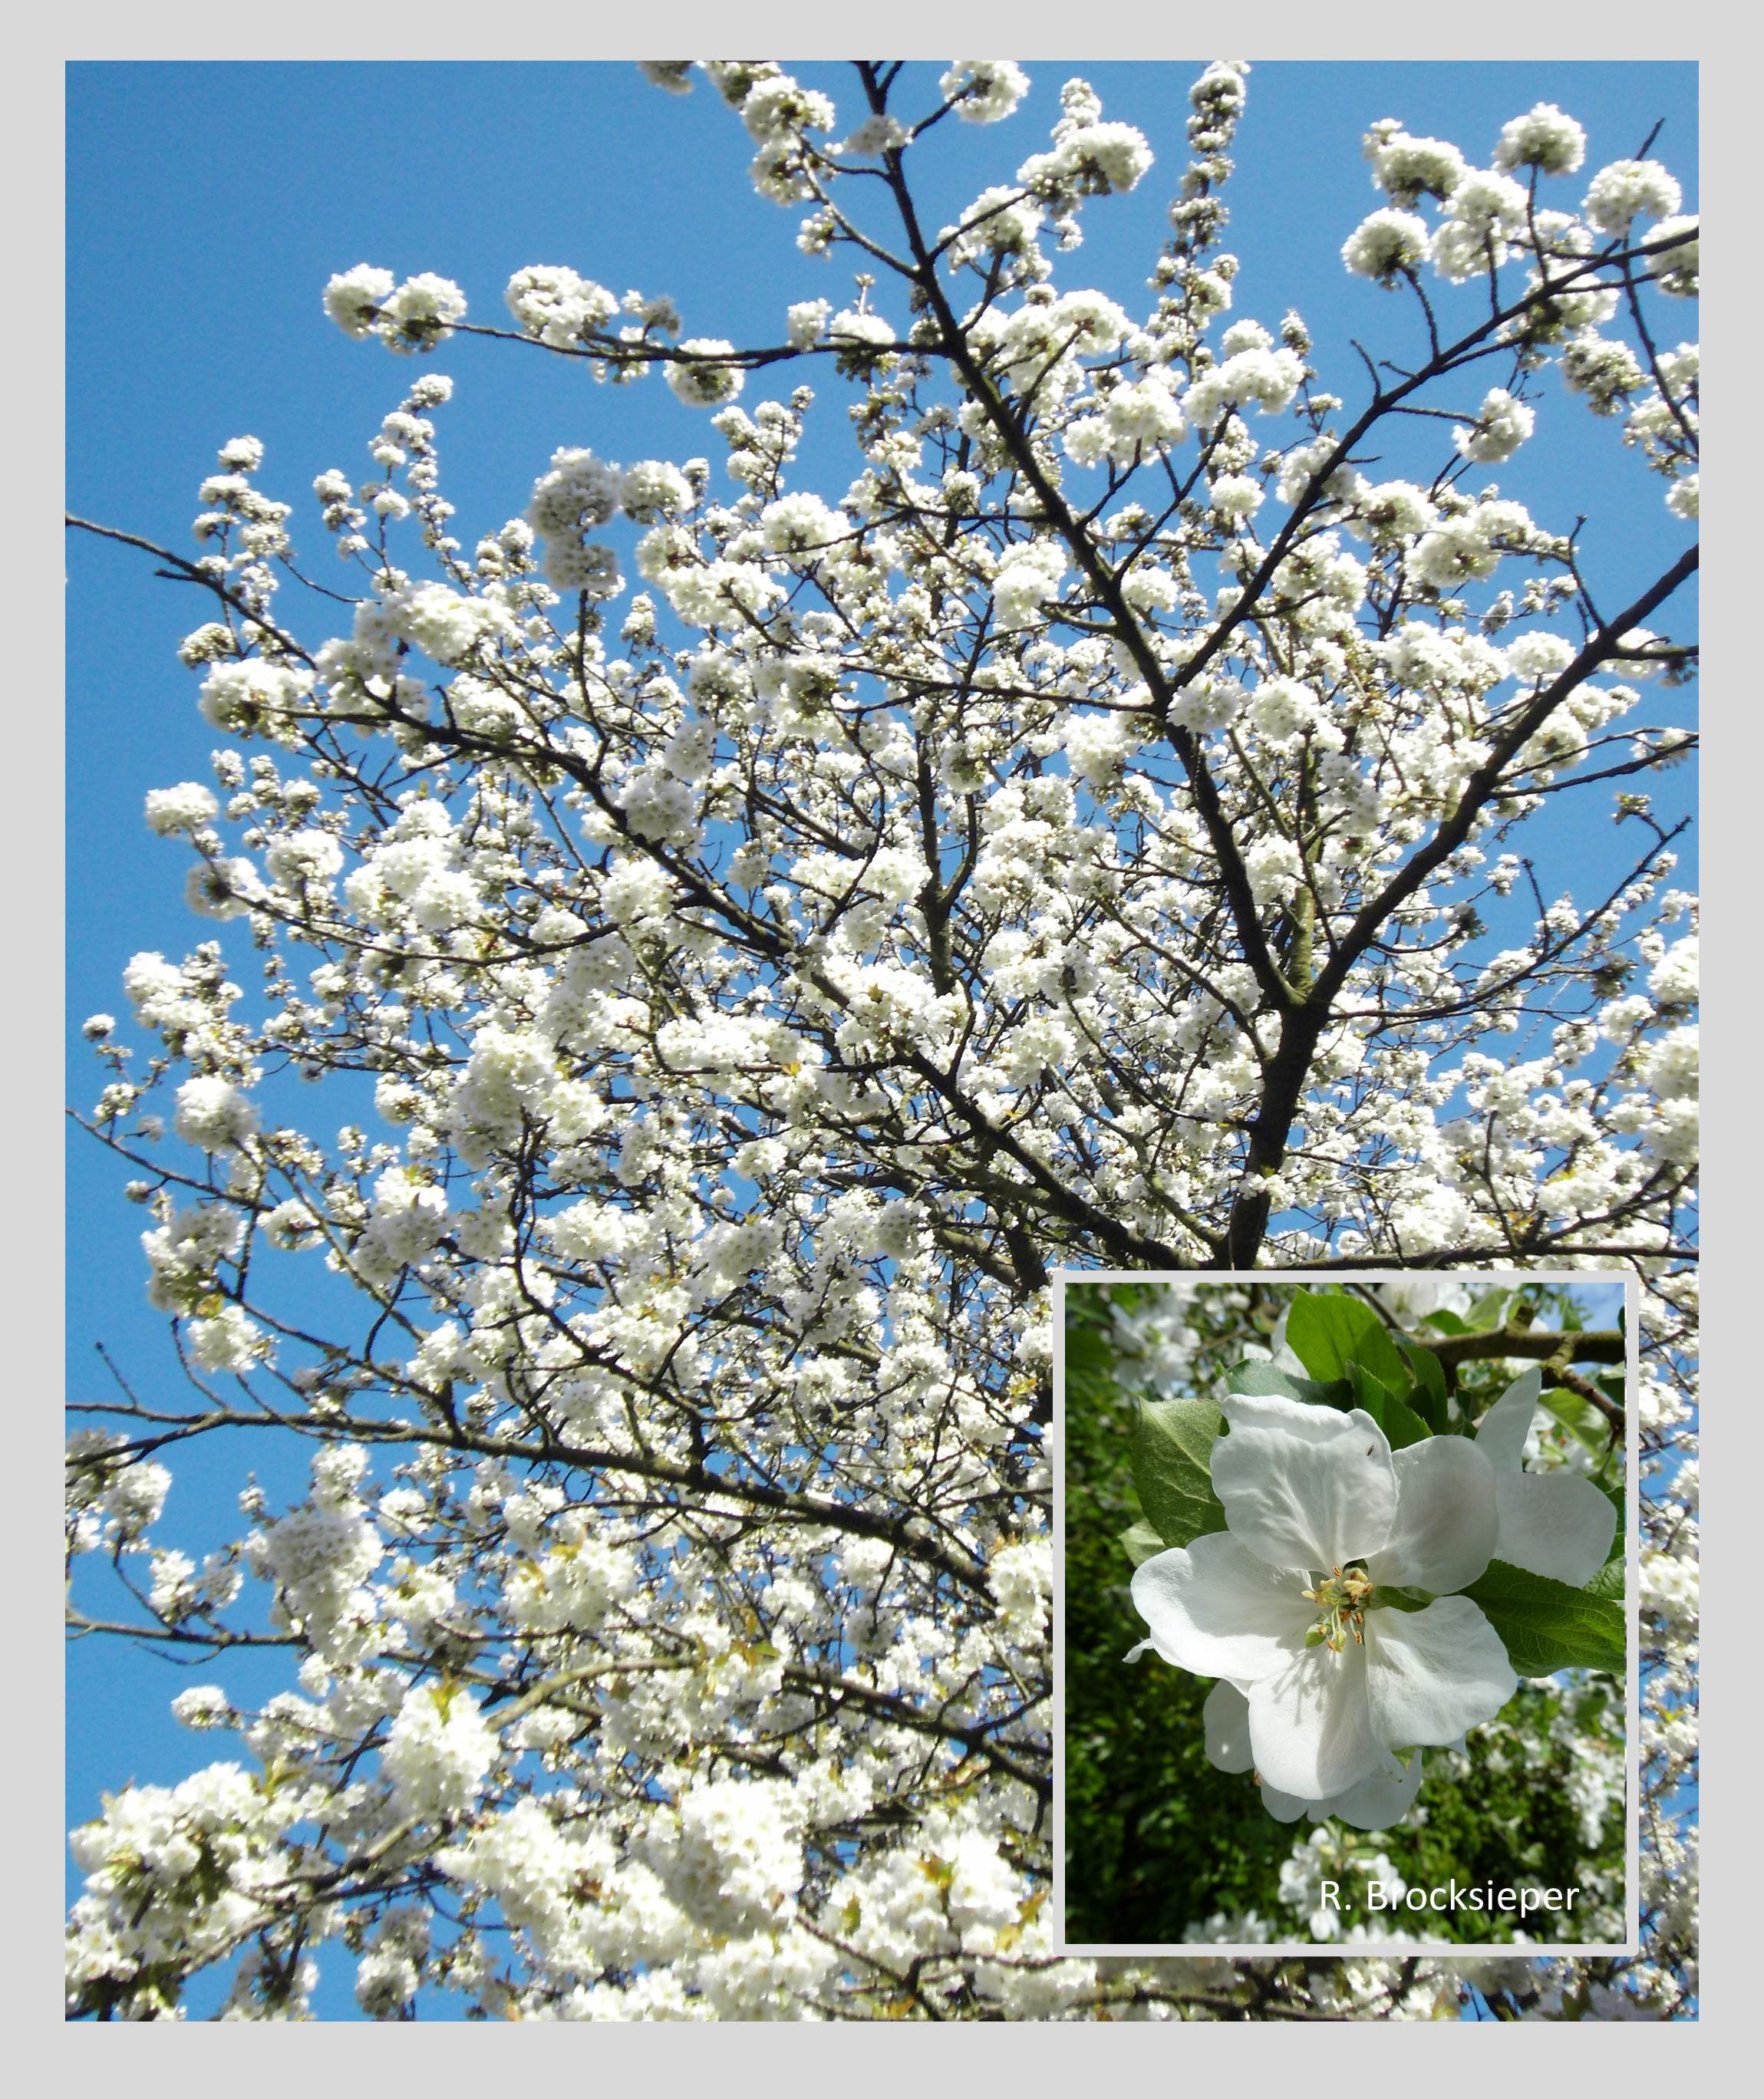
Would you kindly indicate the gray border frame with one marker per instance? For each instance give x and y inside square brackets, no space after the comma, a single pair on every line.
[1381,1949]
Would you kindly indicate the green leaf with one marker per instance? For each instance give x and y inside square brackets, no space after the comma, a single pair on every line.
[1445,1322]
[1546,1625]
[1140,1543]
[1172,1456]
[1581,1418]
[1489,1311]
[1380,1354]
[1610,1580]
[1259,1375]
[1327,1333]
[1428,1398]
[1401,1424]
[1320,1334]
[1394,1599]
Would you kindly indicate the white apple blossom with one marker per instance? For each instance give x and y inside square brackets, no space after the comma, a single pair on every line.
[1321,1514]
[1555,1523]
[1377,1802]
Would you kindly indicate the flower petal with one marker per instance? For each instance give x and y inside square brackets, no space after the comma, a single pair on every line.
[1283,1807]
[1378,1802]
[1432,1674]
[1556,1524]
[1225,1716]
[1303,1486]
[1311,1725]
[1214,1608]
[1443,1535]
[1501,1431]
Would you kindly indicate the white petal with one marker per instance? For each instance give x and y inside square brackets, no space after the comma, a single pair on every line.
[1378,1802]
[1501,1431]
[1311,1725]
[1225,1716]
[1283,1807]
[1216,1609]
[1432,1674]
[1303,1486]
[1556,1524]
[1443,1535]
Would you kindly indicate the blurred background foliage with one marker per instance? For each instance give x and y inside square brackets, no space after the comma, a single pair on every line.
[1161,1847]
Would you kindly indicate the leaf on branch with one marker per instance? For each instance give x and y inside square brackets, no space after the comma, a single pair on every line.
[1546,1625]
[1445,1322]
[1614,1495]
[1140,1542]
[1328,1333]
[1581,1418]
[1172,1456]
[1428,1399]
[1258,1377]
[1396,1599]
[1391,1410]
[1488,1312]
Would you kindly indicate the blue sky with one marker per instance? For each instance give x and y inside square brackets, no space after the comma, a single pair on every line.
[207,204]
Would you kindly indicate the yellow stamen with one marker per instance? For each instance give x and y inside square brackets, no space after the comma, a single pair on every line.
[1340,1602]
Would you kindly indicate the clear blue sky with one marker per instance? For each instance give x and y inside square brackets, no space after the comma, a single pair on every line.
[207,204]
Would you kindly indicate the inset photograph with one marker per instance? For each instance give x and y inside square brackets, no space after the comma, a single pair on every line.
[1344,1647]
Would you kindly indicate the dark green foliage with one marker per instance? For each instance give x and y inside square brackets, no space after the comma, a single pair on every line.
[1171,1450]
[1546,1625]
[1327,1332]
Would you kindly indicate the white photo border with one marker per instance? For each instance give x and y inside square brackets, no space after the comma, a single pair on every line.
[1382,1949]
